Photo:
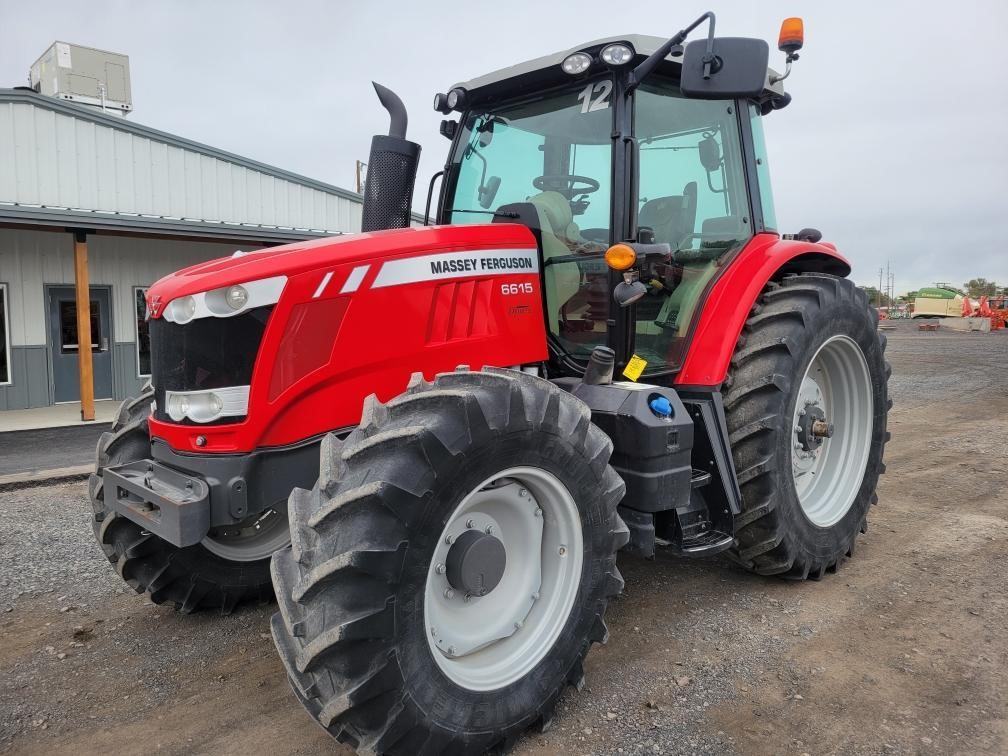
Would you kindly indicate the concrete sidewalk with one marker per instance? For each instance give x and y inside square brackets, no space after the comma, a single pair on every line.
[49,454]
[57,416]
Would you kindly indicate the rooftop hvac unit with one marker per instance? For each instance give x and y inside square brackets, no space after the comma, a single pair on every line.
[84,75]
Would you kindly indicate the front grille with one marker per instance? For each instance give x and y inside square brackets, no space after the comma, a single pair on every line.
[204,354]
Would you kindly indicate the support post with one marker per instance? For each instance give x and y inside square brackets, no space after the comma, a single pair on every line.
[83,295]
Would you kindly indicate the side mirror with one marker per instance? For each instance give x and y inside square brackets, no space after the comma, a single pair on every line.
[736,68]
[710,154]
[488,192]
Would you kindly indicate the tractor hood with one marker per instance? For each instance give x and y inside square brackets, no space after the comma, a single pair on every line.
[305,258]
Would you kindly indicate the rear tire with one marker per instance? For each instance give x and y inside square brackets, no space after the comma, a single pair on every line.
[806,323]
[188,579]
[356,586]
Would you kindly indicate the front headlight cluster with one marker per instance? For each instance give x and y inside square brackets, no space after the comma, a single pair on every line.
[225,302]
[207,406]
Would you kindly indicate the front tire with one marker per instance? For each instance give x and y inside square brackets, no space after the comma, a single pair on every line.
[189,579]
[379,646]
[810,357]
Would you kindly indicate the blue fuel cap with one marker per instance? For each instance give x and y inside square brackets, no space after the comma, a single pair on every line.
[661,406]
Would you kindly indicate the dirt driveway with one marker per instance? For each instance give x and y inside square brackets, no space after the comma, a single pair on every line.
[905,650]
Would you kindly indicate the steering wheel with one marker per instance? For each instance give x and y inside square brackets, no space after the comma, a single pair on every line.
[566,185]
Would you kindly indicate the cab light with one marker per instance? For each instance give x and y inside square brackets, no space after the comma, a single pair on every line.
[576,63]
[792,35]
[617,54]
[620,257]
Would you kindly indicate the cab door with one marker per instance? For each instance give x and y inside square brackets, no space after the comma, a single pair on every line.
[692,196]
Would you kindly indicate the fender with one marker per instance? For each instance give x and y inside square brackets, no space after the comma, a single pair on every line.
[733,294]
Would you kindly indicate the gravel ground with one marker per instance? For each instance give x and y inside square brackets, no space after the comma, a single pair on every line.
[904,651]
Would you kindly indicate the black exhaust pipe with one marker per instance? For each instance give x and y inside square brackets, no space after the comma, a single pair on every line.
[391,172]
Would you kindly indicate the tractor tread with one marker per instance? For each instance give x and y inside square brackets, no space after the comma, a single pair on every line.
[759,381]
[188,579]
[336,628]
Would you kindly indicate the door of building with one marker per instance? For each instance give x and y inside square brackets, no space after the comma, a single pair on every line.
[63,343]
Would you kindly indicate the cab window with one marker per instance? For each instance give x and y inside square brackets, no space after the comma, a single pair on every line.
[556,154]
[692,197]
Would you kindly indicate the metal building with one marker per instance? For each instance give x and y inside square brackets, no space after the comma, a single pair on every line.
[93,202]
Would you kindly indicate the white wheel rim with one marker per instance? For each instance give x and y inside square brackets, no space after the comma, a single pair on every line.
[488,642]
[827,478]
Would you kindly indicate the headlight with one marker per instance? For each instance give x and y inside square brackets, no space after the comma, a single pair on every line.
[181,310]
[617,54]
[236,297]
[576,63]
[207,406]
[226,302]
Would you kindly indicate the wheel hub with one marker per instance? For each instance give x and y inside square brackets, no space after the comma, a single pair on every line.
[813,428]
[475,563]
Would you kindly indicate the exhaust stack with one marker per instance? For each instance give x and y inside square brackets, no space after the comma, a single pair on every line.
[392,167]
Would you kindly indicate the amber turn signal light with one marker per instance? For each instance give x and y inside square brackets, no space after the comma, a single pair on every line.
[620,257]
[792,36]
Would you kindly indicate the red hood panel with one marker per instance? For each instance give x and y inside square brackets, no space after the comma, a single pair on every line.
[300,257]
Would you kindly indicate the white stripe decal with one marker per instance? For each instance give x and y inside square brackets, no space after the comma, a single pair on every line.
[353,281]
[321,286]
[462,264]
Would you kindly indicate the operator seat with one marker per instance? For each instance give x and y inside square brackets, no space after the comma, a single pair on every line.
[559,234]
[672,218]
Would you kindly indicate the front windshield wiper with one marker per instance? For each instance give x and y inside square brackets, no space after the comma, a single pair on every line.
[494,213]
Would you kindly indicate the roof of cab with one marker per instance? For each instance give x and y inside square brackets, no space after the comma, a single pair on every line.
[643,44]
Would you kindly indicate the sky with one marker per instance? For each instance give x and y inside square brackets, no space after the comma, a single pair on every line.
[894,145]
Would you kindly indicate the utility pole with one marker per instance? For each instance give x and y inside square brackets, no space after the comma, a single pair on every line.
[879,303]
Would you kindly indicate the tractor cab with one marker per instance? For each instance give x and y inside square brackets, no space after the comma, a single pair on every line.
[589,151]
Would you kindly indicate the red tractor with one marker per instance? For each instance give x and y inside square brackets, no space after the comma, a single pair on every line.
[430,443]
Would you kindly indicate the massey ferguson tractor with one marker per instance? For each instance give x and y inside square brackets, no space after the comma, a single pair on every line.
[430,443]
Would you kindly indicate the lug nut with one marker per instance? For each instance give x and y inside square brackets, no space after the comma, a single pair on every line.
[523,493]
[449,593]
[451,650]
[439,569]
[433,631]
[448,539]
[562,551]
[535,596]
[538,512]
[470,524]
[489,530]
[467,597]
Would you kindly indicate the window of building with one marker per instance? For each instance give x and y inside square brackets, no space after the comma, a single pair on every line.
[69,343]
[5,358]
[142,332]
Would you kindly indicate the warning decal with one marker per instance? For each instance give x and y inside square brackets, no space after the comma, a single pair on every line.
[634,367]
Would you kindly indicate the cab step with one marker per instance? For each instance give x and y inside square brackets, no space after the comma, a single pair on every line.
[705,543]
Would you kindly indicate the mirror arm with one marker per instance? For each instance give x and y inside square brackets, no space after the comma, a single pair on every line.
[651,63]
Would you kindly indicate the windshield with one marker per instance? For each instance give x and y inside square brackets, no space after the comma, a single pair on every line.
[555,153]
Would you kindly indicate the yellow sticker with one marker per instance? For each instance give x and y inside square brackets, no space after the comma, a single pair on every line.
[634,368]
